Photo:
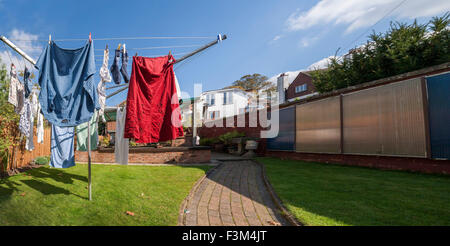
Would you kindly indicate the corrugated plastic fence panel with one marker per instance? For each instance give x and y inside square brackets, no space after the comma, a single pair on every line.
[286,134]
[318,126]
[439,113]
[385,120]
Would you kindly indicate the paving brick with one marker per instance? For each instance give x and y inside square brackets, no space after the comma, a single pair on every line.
[233,194]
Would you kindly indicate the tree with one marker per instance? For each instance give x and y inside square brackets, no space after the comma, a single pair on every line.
[402,48]
[8,119]
[255,83]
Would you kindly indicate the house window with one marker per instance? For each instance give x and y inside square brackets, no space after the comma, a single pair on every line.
[301,88]
[210,99]
[214,115]
[227,98]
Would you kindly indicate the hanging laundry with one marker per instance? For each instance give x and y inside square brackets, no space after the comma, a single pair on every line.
[16,94]
[35,102]
[105,76]
[62,154]
[115,71]
[40,118]
[82,134]
[153,113]
[40,127]
[25,118]
[123,69]
[27,82]
[177,86]
[29,144]
[121,146]
[68,94]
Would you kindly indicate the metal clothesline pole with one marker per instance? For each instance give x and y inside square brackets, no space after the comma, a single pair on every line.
[177,61]
[17,49]
[89,160]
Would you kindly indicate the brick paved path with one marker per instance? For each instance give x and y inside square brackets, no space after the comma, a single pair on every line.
[232,194]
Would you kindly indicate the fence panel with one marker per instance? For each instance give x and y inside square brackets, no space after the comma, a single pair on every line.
[286,134]
[439,114]
[318,126]
[19,157]
[385,120]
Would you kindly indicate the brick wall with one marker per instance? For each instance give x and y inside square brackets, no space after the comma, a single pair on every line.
[380,162]
[250,131]
[149,155]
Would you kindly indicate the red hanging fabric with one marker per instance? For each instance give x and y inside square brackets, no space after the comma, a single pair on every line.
[153,113]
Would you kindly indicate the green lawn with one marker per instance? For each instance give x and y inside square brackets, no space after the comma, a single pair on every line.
[45,196]
[325,194]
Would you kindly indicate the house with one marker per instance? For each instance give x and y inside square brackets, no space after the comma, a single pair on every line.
[186,111]
[292,87]
[224,103]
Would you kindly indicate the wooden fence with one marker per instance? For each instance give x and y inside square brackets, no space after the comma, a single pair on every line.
[19,157]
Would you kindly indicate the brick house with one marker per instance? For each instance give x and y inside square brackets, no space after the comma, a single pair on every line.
[301,87]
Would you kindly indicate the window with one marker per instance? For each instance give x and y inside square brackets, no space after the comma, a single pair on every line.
[213,100]
[214,115]
[227,98]
[301,88]
[210,100]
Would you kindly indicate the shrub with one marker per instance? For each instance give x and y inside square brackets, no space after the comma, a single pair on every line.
[42,160]
[226,138]
[402,48]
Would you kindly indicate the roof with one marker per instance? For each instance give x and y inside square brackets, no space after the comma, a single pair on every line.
[224,89]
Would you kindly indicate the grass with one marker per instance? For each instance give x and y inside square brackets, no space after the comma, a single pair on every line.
[325,194]
[48,196]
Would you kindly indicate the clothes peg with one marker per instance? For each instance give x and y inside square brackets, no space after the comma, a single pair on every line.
[170,55]
[49,38]
[90,38]
[136,54]
[106,47]
[124,48]
[118,47]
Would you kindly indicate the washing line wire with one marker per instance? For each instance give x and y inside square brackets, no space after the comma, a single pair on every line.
[363,33]
[115,38]
[9,55]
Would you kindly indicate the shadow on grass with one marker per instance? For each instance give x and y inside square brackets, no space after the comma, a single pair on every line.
[7,187]
[57,175]
[48,189]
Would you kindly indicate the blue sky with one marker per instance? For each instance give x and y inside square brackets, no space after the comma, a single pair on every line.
[267,37]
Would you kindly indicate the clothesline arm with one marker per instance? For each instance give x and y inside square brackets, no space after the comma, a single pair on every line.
[212,43]
[17,49]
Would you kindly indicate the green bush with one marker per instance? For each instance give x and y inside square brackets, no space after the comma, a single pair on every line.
[402,48]
[226,138]
[208,141]
[42,160]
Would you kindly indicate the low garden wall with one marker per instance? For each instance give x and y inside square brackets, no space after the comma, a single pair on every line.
[150,155]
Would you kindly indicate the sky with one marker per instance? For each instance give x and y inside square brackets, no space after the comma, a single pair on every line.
[266,37]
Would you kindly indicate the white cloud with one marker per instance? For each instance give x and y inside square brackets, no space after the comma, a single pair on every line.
[305,42]
[276,38]
[26,42]
[361,13]
[291,75]
[323,63]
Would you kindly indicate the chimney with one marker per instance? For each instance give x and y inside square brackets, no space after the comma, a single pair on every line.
[281,81]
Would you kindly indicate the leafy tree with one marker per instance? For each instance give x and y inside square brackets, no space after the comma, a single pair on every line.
[8,119]
[402,48]
[256,83]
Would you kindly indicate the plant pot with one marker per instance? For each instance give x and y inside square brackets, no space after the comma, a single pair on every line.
[219,147]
